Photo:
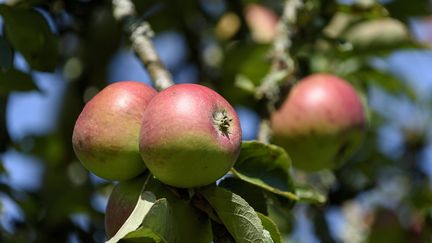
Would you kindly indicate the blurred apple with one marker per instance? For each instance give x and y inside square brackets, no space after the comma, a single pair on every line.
[321,123]
[262,22]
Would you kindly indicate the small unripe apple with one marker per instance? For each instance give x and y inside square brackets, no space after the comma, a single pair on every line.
[121,203]
[190,136]
[321,123]
[105,137]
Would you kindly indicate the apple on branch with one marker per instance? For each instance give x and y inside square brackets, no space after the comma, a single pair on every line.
[321,122]
[190,136]
[105,136]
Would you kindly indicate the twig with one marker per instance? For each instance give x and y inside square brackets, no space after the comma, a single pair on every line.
[140,34]
[282,68]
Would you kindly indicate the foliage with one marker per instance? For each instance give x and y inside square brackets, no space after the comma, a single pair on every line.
[256,201]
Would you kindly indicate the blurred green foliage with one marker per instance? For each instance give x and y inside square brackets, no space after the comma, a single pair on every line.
[329,37]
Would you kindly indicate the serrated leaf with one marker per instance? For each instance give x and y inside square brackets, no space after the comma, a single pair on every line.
[309,194]
[15,80]
[145,202]
[172,219]
[271,228]
[252,194]
[236,214]
[29,33]
[266,166]
[6,55]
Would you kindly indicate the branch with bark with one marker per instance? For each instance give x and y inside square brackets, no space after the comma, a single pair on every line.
[282,67]
[140,34]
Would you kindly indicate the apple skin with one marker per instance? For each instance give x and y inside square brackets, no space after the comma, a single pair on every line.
[321,123]
[105,136]
[190,136]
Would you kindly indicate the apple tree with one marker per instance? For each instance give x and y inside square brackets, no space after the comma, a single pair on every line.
[338,153]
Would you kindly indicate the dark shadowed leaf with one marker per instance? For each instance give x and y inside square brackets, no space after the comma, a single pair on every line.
[252,194]
[383,79]
[4,134]
[266,166]
[403,10]
[29,33]
[15,80]
[6,55]
[236,214]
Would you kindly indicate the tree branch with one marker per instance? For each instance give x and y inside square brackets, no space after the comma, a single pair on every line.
[282,68]
[140,34]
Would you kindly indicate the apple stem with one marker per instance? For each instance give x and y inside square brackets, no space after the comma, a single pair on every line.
[222,122]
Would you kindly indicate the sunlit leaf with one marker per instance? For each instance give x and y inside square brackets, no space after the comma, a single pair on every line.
[235,213]
[266,166]
[271,227]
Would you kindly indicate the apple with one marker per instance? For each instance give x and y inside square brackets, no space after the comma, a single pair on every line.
[320,123]
[262,22]
[190,136]
[105,136]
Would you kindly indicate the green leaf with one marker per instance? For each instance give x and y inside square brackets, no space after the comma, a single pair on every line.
[236,214]
[271,228]
[145,202]
[155,224]
[405,10]
[266,166]
[309,194]
[29,33]
[378,36]
[15,80]
[6,55]
[4,134]
[383,79]
[172,219]
[252,194]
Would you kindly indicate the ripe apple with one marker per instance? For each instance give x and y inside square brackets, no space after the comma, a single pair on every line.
[190,136]
[105,137]
[321,123]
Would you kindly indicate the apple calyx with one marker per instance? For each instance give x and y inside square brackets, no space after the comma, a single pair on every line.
[222,122]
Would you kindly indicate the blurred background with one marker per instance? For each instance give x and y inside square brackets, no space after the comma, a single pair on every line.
[64,52]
